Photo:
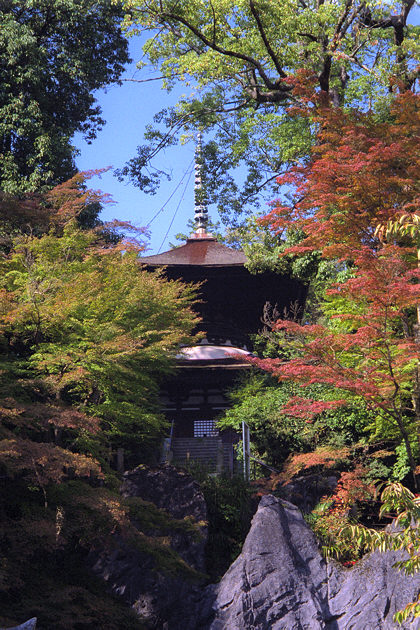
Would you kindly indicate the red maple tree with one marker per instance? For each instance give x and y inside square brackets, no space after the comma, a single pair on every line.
[364,172]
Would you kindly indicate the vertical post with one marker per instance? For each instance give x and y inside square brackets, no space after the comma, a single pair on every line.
[246,450]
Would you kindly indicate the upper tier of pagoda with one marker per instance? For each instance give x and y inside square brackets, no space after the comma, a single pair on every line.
[200,249]
[231,299]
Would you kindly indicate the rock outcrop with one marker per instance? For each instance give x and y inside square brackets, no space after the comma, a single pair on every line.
[177,493]
[306,491]
[169,488]
[158,590]
[281,582]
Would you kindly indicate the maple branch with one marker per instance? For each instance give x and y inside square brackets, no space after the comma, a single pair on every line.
[361,65]
[309,36]
[341,28]
[397,412]
[214,22]
[260,187]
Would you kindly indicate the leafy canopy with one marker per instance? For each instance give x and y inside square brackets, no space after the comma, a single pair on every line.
[362,173]
[85,335]
[239,60]
[53,55]
[94,326]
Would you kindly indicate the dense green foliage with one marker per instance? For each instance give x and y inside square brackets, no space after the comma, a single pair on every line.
[260,401]
[94,328]
[85,336]
[53,55]
[230,508]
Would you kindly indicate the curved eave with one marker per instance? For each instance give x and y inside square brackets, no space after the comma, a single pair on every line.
[225,364]
[202,252]
[207,356]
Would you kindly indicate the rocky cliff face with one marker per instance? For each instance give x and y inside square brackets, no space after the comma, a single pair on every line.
[160,593]
[281,582]
[178,494]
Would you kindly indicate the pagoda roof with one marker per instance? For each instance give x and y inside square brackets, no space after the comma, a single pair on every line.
[199,250]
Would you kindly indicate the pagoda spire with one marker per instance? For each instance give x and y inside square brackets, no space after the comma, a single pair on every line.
[200,210]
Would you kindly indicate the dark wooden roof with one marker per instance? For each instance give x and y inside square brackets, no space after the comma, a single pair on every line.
[231,299]
[199,251]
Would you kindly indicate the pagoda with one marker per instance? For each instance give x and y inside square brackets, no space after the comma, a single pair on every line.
[231,305]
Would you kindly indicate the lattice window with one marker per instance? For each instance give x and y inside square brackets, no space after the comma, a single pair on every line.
[205,428]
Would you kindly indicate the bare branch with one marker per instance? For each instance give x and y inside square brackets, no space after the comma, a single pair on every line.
[278,91]
[260,187]
[261,30]
[151,79]
[214,22]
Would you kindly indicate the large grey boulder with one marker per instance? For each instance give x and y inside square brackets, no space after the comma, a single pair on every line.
[281,582]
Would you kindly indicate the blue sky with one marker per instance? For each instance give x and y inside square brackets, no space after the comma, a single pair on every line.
[127,110]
